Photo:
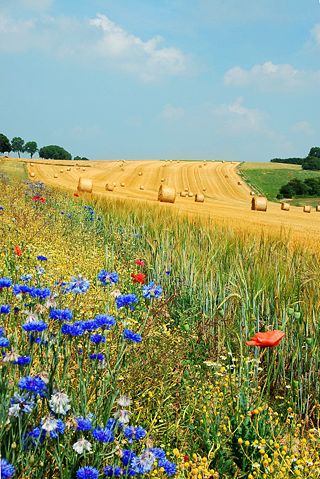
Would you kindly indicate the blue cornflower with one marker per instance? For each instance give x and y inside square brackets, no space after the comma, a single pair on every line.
[5,309]
[168,272]
[22,360]
[1,332]
[103,434]
[126,300]
[97,357]
[33,326]
[112,424]
[36,436]
[37,340]
[40,293]
[143,463]
[83,424]
[21,403]
[21,289]
[39,270]
[4,342]
[97,338]
[113,471]
[42,258]
[52,426]
[134,433]
[152,290]
[34,385]
[77,285]
[169,467]
[26,277]
[90,325]
[105,321]
[6,469]
[5,283]
[127,455]
[73,329]
[107,277]
[87,472]
[132,336]
[61,314]
[1,208]
[158,452]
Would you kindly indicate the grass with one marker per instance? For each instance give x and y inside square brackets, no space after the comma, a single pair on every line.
[13,168]
[267,178]
[219,408]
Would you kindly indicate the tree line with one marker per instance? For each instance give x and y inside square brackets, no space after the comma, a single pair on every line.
[296,187]
[310,162]
[18,145]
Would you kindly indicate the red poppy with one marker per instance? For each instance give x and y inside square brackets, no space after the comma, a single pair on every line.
[186,458]
[140,262]
[39,199]
[17,251]
[76,195]
[138,278]
[269,339]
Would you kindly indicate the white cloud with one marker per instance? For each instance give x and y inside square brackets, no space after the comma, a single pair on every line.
[237,117]
[171,112]
[315,34]
[270,76]
[303,127]
[147,59]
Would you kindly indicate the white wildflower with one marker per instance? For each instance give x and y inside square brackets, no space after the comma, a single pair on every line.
[59,403]
[82,446]
[124,401]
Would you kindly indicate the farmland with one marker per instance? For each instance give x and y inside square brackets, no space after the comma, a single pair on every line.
[195,282]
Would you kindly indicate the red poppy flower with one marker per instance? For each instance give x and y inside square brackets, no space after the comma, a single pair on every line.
[76,195]
[140,262]
[269,339]
[138,278]
[17,251]
[39,198]
[186,458]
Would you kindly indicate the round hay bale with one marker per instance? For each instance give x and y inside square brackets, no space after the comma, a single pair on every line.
[141,187]
[285,206]
[183,194]
[226,176]
[259,203]
[307,209]
[55,176]
[114,184]
[69,169]
[199,198]
[140,173]
[166,194]
[61,171]
[318,208]
[32,175]
[122,185]
[251,193]
[186,190]
[31,164]
[162,180]
[109,187]
[239,183]
[190,194]
[204,189]
[85,185]
[83,169]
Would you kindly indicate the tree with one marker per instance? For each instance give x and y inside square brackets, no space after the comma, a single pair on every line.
[31,147]
[17,144]
[55,152]
[311,163]
[315,152]
[5,144]
[79,158]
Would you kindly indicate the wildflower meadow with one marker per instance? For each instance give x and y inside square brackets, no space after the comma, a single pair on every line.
[135,343]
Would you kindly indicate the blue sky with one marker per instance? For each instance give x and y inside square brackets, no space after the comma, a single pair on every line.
[228,79]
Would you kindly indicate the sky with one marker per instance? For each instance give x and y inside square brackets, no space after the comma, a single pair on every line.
[139,79]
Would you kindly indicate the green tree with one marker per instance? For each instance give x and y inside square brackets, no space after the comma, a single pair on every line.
[311,163]
[55,152]
[315,152]
[31,147]
[5,144]
[17,144]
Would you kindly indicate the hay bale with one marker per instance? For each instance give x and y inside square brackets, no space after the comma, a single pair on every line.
[122,185]
[140,173]
[186,190]
[199,198]
[285,206]
[166,194]
[31,164]
[69,169]
[109,187]
[259,203]
[183,194]
[141,187]
[55,176]
[83,169]
[114,184]
[162,180]
[85,185]
[32,175]
[239,183]
[226,176]
[190,194]
[318,208]
[307,209]
[61,171]
[251,193]
[204,189]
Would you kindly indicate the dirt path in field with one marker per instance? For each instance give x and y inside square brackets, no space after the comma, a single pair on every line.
[225,200]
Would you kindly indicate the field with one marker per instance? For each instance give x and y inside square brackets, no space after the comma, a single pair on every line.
[107,299]
[267,178]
